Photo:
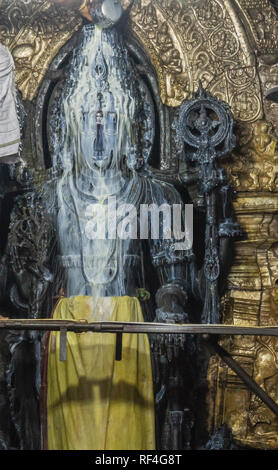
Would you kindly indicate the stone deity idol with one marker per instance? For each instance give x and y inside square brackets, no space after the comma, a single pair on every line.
[101,131]
[104,151]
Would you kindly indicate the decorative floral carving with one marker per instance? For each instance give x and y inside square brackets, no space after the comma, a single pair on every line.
[34,31]
[255,166]
[186,41]
[252,298]
[263,22]
[196,40]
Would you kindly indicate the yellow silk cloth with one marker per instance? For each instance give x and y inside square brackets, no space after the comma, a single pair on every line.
[93,401]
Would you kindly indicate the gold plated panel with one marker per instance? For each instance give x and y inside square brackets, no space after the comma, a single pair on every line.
[252,296]
[186,42]
[199,40]
[34,31]
[261,18]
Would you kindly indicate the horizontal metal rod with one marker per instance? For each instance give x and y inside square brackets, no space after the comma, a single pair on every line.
[133,327]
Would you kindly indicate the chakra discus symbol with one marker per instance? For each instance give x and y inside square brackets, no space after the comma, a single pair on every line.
[204,123]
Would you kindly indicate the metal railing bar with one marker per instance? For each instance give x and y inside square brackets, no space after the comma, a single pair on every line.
[136,327]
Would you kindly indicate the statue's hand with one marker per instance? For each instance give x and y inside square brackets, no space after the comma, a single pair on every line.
[170,344]
[69,3]
[171,301]
[103,12]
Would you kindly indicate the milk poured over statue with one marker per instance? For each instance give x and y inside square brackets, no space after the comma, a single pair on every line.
[99,115]
[102,152]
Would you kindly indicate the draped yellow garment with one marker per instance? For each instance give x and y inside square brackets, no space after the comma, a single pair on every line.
[93,401]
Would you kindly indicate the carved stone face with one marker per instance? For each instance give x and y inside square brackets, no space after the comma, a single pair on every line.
[99,136]
[101,105]
[107,118]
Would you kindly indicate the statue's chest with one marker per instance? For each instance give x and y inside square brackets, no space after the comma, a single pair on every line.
[89,240]
[84,246]
[89,233]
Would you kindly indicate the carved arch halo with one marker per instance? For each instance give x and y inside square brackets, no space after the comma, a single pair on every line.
[192,41]
[185,41]
[216,42]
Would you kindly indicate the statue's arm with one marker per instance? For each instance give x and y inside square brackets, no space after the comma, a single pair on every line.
[29,250]
[172,296]
[172,263]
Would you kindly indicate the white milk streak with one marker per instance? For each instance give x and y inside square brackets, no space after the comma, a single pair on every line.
[97,262]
